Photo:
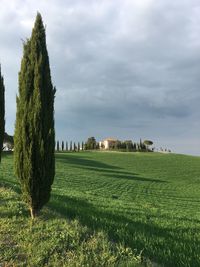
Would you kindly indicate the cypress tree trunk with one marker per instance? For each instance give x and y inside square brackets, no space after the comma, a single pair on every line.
[34,129]
[2,112]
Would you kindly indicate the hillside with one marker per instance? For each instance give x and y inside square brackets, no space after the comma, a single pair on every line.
[145,201]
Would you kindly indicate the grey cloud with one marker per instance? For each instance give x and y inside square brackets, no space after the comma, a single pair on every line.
[122,68]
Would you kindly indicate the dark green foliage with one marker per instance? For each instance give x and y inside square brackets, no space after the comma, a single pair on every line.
[148,142]
[63,146]
[97,145]
[78,147]
[82,146]
[134,146]
[34,129]
[142,146]
[117,145]
[129,145]
[58,146]
[9,140]
[123,145]
[102,146]
[74,148]
[2,112]
[70,148]
[91,143]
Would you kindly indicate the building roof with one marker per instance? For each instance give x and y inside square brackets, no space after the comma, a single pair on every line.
[110,139]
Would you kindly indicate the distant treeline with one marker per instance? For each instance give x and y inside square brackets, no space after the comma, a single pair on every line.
[69,146]
[92,144]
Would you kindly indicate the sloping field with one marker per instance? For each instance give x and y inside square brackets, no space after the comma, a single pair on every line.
[146,201]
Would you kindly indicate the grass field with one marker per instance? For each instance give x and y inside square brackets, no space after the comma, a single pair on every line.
[108,202]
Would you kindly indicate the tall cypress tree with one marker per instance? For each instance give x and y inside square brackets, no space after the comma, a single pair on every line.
[34,129]
[2,112]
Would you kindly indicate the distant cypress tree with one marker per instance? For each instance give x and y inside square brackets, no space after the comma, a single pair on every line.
[34,129]
[74,148]
[63,146]
[58,146]
[97,145]
[70,146]
[2,112]
[140,142]
[134,146]
[66,148]
[91,143]
[140,145]
[78,146]
[82,146]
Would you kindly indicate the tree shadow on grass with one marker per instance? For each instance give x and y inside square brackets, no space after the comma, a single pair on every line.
[133,233]
[15,206]
[8,184]
[127,176]
[89,215]
[106,169]
[79,161]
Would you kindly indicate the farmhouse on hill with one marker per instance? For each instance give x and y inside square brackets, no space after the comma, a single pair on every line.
[108,143]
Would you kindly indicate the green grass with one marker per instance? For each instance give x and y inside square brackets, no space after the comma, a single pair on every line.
[144,201]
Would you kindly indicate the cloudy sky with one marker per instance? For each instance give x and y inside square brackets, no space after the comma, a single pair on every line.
[128,69]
